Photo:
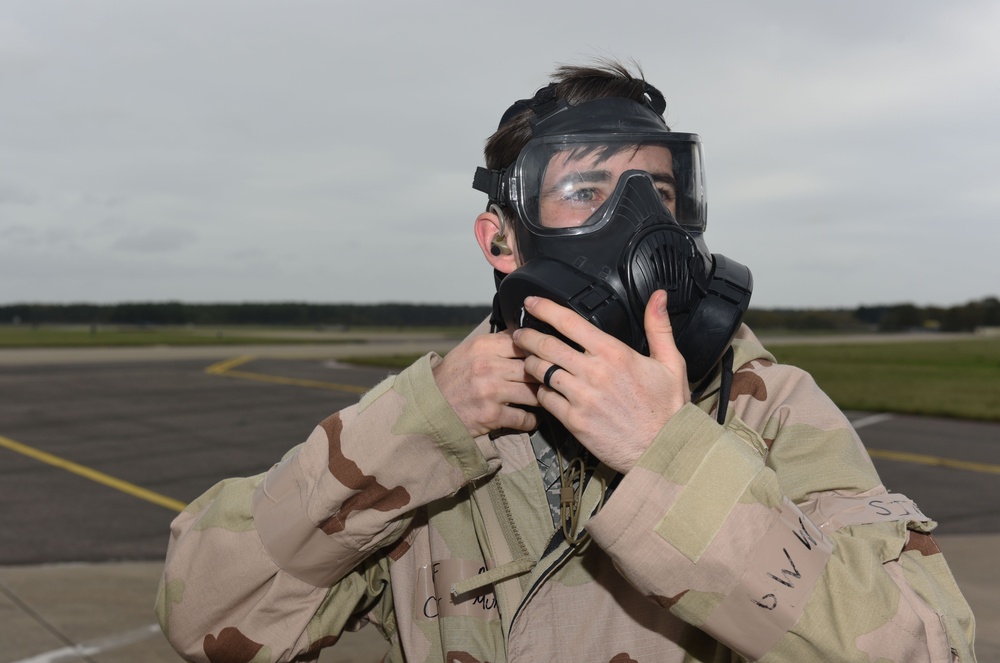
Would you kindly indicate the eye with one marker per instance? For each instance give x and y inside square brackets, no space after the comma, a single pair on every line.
[581,195]
[667,194]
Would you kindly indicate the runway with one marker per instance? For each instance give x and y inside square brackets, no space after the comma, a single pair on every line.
[96,457]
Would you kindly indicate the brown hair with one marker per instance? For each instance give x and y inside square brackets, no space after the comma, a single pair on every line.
[576,84]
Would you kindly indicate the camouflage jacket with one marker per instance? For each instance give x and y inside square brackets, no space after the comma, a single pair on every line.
[770,538]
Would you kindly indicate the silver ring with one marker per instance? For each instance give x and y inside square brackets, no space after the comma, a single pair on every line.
[547,380]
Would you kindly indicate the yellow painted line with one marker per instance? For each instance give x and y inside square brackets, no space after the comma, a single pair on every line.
[935,461]
[315,384]
[221,367]
[224,368]
[93,475]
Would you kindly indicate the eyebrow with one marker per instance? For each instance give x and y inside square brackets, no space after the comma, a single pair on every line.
[578,176]
[665,179]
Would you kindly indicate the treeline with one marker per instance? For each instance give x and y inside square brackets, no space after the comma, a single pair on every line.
[892,317]
[278,313]
[884,318]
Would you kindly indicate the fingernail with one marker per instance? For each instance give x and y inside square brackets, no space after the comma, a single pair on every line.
[661,306]
[530,301]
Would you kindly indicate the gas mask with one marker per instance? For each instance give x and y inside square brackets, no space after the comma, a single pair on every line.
[610,207]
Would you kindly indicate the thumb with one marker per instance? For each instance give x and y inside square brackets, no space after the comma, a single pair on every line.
[659,332]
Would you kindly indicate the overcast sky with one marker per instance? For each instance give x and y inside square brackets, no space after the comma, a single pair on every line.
[216,150]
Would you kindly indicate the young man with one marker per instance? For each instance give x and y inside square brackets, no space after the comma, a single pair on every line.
[620,472]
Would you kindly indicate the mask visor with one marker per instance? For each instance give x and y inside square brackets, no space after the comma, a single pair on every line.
[560,185]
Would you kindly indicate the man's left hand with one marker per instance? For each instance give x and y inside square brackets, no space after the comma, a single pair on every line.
[611,398]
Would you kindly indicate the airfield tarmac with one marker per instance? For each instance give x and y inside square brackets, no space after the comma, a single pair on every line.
[99,448]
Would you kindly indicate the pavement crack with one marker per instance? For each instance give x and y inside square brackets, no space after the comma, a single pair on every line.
[44,623]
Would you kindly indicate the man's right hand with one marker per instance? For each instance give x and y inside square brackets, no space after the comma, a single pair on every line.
[483,379]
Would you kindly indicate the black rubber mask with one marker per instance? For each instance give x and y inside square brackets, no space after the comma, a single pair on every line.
[606,262]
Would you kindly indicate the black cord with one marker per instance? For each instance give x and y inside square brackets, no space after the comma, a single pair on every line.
[726,385]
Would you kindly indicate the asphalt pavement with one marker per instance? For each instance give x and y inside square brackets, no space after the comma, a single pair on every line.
[98,450]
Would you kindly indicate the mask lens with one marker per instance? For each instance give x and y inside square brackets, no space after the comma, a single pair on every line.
[577,182]
[564,182]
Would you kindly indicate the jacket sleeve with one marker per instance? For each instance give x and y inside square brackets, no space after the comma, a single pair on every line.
[276,565]
[712,523]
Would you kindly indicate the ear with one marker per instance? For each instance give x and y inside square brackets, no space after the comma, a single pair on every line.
[488,231]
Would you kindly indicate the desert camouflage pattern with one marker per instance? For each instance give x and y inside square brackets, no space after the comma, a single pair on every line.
[770,538]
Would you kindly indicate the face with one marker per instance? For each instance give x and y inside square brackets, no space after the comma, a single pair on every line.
[575,186]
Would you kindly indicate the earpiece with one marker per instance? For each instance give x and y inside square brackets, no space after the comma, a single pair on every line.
[498,245]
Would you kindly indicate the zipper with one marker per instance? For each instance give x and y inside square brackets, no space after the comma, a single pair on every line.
[513,541]
[558,539]
[507,524]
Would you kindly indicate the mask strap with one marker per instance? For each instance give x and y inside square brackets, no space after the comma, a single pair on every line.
[654,98]
[726,385]
[545,101]
[542,104]
[496,317]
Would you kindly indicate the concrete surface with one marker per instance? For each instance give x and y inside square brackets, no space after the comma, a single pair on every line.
[103,613]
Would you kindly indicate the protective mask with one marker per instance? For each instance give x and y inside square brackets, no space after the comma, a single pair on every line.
[597,194]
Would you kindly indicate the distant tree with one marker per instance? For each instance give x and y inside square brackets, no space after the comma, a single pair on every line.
[167,313]
[871,315]
[885,317]
[983,313]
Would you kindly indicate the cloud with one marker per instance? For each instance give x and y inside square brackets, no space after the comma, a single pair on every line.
[19,235]
[161,239]
[14,195]
[20,51]
[774,186]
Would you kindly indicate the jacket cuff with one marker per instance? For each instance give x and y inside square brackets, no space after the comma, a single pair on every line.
[476,457]
[683,487]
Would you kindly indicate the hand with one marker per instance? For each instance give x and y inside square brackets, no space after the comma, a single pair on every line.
[611,398]
[482,378]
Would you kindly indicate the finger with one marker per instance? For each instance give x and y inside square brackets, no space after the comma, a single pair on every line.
[659,331]
[557,395]
[550,349]
[517,394]
[553,401]
[514,370]
[556,373]
[504,345]
[567,322]
[517,419]
[549,374]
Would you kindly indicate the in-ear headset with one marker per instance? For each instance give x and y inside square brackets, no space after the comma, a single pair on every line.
[498,245]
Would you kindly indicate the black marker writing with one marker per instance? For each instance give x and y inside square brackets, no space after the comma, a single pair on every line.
[431,607]
[803,534]
[794,573]
[771,606]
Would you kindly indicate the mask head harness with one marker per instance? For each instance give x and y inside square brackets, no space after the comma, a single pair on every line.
[609,207]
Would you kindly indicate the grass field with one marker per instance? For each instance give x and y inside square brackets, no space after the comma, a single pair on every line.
[958,378]
[67,336]
[946,378]
[86,336]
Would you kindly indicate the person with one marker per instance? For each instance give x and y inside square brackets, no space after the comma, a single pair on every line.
[619,472]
